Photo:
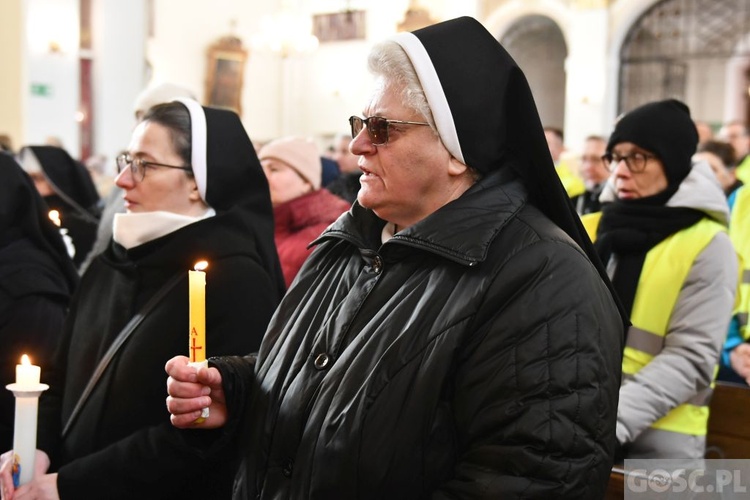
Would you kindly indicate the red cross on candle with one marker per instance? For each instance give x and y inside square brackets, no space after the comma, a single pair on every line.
[194,348]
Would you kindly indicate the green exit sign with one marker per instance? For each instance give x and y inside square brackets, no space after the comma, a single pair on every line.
[41,89]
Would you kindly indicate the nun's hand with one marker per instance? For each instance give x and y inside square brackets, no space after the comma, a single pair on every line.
[43,486]
[190,391]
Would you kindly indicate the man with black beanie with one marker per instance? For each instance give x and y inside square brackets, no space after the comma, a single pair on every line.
[662,235]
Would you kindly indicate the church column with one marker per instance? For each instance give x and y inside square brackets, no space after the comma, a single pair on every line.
[11,52]
[119,34]
[586,72]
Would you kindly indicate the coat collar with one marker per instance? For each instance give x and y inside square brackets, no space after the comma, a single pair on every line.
[472,222]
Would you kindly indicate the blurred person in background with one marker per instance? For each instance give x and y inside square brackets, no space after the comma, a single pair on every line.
[721,158]
[37,279]
[736,133]
[594,172]
[67,187]
[347,185]
[571,182]
[301,209]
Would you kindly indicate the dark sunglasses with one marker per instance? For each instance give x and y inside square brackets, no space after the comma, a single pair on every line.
[377,127]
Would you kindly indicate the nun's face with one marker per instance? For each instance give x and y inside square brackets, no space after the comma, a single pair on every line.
[41,184]
[633,185]
[162,189]
[413,174]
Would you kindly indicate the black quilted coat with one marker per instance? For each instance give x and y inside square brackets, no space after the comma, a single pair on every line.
[476,354]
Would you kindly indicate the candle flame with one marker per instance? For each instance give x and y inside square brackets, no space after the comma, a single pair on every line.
[25,360]
[201,265]
[54,216]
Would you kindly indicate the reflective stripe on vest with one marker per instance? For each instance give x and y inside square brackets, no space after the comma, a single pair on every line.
[664,272]
[739,232]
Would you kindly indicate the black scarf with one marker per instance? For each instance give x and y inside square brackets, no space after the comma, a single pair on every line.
[630,229]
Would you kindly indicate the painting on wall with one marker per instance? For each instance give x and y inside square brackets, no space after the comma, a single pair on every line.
[339,26]
[225,74]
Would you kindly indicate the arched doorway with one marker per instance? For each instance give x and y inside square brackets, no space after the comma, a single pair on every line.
[691,50]
[538,46]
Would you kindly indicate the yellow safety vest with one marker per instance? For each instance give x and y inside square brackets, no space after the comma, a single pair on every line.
[743,170]
[739,232]
[664,272]
[591,223]
[573,184]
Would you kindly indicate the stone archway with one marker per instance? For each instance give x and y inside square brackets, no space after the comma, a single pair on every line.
[683,49]
[538,46]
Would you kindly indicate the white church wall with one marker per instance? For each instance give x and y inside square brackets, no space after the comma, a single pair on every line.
[49,85]
[309,94]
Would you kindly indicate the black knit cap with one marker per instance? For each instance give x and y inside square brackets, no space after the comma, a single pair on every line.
[665,129]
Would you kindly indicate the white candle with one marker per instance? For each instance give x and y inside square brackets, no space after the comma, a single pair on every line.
[27,375]
[26,390]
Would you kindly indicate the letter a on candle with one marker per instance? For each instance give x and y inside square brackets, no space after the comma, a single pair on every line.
[197,290]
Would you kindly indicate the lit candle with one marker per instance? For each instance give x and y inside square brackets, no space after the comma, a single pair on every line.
[54,216]
[197,289]
[27,375]
[27,390]
[197,338]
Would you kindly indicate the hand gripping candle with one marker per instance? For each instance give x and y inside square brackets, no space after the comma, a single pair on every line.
[197,338]
[27,390]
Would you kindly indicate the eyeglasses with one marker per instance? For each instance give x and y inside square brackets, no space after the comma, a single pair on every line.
[636,162]
[377,127]
[138,166]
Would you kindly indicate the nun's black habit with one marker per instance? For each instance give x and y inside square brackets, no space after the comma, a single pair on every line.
[75,196]
[475,354]
[37,279]
[122,444]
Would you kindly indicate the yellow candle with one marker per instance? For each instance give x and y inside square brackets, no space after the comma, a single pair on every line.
[197,288]
[27,375]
